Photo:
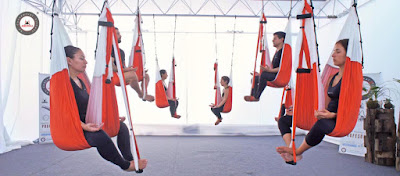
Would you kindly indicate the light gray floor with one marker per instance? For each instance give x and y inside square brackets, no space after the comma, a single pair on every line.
[191,156]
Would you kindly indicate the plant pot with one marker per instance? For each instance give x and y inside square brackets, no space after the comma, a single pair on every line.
[372,104]
[388,105]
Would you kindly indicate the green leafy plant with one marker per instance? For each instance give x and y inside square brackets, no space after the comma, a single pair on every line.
[386,90]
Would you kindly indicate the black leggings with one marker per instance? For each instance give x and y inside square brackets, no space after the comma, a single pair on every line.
[217,111]
[107,149]
[173,105]
[317,132]
[261,83]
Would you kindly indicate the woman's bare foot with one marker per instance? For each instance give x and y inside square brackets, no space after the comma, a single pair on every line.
[142,165]
[284,149]
[218,121]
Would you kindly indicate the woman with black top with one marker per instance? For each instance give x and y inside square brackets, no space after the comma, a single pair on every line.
[94,135]
[217,109]
[326,118]
[173,103]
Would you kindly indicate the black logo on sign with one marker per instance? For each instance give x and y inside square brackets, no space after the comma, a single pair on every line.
[343,150]
[27,23]
[367,85]
[46,85]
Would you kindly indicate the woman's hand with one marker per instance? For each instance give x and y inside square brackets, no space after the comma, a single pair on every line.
[324,114]
[91,127]
[212,105]
[266,68]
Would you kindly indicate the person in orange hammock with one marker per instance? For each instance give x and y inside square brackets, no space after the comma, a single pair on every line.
[268,74]
[173,103]
[326,118]
[130,73]
[217,109]
[94,135]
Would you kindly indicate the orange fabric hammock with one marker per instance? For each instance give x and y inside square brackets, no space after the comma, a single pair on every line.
[351,86]
[286,99]
[285,68]
[307,90]
[352,79]
[66,129]
[218,98]
[137,56]
[161,93]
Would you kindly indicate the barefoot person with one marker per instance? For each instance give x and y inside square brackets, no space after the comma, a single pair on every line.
[130,73]
[94,135]
[326,117]
[173,103]
[268,74]
[217,109]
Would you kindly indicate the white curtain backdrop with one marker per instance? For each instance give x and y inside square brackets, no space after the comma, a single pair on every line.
[22,58]
[8,38]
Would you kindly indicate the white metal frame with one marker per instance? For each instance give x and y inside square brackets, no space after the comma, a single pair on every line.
[70,10]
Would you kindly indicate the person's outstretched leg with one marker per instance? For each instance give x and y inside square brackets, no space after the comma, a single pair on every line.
[106,148]
[313,138]
[135,83]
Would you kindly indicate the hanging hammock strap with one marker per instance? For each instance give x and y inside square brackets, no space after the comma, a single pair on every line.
[173,44]
[155,39]
[233,42]
[359,28]
[215,35]
[259,49]
[52,26]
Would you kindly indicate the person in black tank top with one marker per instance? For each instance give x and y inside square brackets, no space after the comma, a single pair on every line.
[173,103]
[217,109]
[94,135]
[326,118]
[268,74]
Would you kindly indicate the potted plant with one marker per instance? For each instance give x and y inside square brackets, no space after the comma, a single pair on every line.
[388,104]
[373,103]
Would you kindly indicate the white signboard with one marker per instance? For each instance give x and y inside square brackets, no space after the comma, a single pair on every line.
[44,108]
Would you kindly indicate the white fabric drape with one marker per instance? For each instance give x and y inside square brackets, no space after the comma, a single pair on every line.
[8,38]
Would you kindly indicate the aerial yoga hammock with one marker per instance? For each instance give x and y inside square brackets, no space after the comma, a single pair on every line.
[286,100]
[161,93]
[285,67]
[65,124]
[310,93]
[218,98]
[137,58]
